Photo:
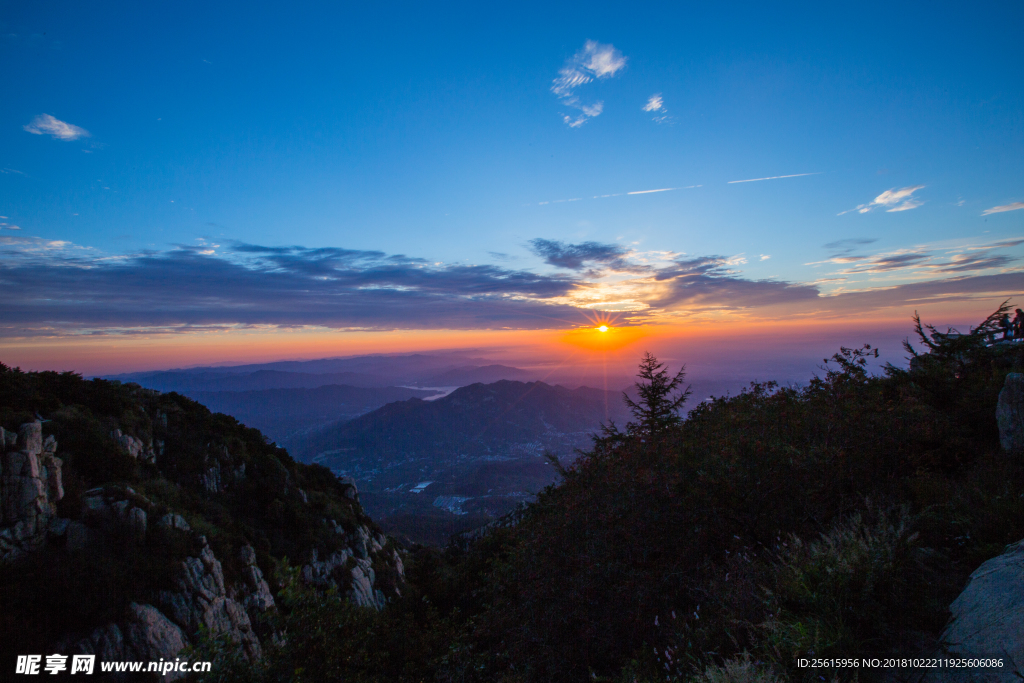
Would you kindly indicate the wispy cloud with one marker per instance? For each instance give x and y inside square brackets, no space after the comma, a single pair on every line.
[44,124]
[774,177]
[847,245]
[891,200]
[595,61]
[1005,207]
[656,105]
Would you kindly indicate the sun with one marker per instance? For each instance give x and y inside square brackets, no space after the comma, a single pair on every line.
[603,328]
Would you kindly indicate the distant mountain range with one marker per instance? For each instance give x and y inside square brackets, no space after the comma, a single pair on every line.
[285,414]
[286,399]
[374,371]
[478,451]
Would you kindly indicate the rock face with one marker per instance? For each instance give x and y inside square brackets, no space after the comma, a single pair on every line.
[1010,413]
[988,621]
[30,486]
[163,623]
[351,568]
[202,601]
[146,634]
[134,447]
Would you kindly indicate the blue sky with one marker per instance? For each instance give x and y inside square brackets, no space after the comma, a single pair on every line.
[147,146]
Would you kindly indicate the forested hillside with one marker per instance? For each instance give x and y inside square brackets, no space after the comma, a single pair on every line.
[136,523]
[837,520]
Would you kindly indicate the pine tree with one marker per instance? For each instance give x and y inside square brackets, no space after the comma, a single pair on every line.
[658,408]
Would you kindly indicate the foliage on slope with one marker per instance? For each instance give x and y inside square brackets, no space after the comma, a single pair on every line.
[838,519]
[261,499]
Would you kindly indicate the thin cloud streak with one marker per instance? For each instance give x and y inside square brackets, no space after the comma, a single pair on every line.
[617,194]
[1004,208]
[774,177]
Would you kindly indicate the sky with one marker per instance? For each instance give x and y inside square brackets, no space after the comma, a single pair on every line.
[189,183]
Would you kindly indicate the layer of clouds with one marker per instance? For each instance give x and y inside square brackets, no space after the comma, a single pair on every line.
[594,62]
[923,259]
[1005,207]
[52,284]
[892,200]
[709,282]
[57,287]
[44,124]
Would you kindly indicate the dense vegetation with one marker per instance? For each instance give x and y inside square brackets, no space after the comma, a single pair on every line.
[837,519]
[55,592]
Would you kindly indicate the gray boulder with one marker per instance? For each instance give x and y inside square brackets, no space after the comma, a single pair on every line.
[988,621]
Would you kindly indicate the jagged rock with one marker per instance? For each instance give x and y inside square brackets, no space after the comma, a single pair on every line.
[362,591]
[30,486]
[256,592]
[323,572]
[211,479]
[1010,413]
[30,438]
[152,635]
[145,635]
[201,600]
[134,447]
[173,521]
[988,621]
[358,582]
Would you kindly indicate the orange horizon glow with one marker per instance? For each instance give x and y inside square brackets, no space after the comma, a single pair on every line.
[111,353]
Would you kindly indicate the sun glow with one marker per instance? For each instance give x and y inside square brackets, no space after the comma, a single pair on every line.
[603,328]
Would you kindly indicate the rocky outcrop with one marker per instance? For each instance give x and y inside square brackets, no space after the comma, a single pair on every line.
[135,447]
[988,621]
[117,517]
[30,486]
[202,601]
[145,635]
[351,568]
[109,508]
[255,593]
[1010,413]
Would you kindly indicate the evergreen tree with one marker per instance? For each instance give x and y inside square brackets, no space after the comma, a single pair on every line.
[660,399]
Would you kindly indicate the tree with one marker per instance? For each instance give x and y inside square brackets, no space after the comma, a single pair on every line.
[658,408]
